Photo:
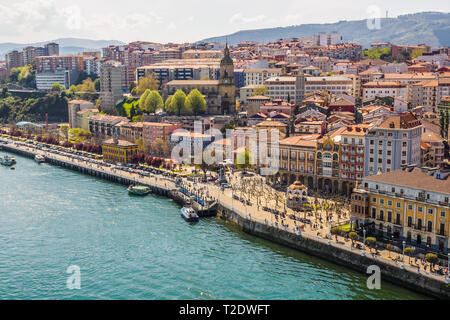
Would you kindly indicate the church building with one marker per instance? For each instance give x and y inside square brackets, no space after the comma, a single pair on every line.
[220,95]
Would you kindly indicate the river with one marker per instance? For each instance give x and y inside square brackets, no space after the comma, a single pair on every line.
[140,248]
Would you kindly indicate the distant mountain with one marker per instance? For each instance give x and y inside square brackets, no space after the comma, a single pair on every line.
[432,28]
[66,45]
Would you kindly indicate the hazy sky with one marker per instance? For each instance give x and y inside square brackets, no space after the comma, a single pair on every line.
[180,20]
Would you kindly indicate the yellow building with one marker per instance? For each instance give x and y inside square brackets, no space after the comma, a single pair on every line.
[119,151]
[411,204]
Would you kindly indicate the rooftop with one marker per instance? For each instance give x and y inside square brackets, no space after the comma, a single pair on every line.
[416,179]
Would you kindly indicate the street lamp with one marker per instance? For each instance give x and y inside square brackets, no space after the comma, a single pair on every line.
[364,243]
[403,259]
[448,270]
[331,236]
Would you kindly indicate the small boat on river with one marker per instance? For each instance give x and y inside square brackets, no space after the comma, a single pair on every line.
[7,161]
[39,158]
[189,215]
[139,190]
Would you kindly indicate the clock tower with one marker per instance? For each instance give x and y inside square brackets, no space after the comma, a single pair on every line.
[227,86]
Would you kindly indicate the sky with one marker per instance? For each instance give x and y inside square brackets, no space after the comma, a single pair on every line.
[28,21]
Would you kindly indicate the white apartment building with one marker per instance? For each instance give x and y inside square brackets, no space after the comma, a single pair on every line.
[384,89]
[334,84]
[45,80]
[259,76]
[283,88]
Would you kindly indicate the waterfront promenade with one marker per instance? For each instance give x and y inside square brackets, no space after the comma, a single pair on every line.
[252,213]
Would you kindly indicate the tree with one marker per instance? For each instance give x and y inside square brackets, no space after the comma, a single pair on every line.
[79,135]
[228,127]
[409,252]
[243,160]
[196,102]
[371,241]
[432,258]
[178,102]
[64,129]
[56,87]
[97,85]
[149,82]
[143,98]
[353,236]
[153,102]
[260,91]
[417,53]
[168,103]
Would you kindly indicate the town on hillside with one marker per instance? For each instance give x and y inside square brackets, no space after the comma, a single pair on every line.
[369,126]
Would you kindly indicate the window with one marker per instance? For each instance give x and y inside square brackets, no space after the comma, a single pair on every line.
[410,207]
[381,201]
[390,203]
[430,211]
[443,214]
[399,204]
[420,209]
[374,200]
[374,213]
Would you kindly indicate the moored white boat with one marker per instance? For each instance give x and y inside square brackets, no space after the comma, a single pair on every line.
[39,158]
[189,215]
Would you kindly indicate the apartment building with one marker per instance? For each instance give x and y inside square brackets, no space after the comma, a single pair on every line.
[257,77]
[408,79]
[410,204]
[353,140]
[105,125]
[15,59]
[384,89]
[45,80]
[334,84]
[58,63]
[158,130]
[73,107]
[112,84]
[398,50]
[193,69]
[283,88]
[323,63]
[433,149]
[324,39]
[393,144]
[297,160]
[425,94]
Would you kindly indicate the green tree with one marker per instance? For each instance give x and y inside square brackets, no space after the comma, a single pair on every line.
[409,252]
[56,87]
[64,130]
[260,91]
[153,102]
[243,160]
[417,53]
[147,83]
[97,85]
[168,104]
[143,98]
[178,102]
[196,102]
[371,241]
[432,258]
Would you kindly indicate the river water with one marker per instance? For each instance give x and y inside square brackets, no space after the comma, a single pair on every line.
[140,248]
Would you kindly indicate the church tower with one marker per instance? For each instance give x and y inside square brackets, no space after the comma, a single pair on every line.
[227,85]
